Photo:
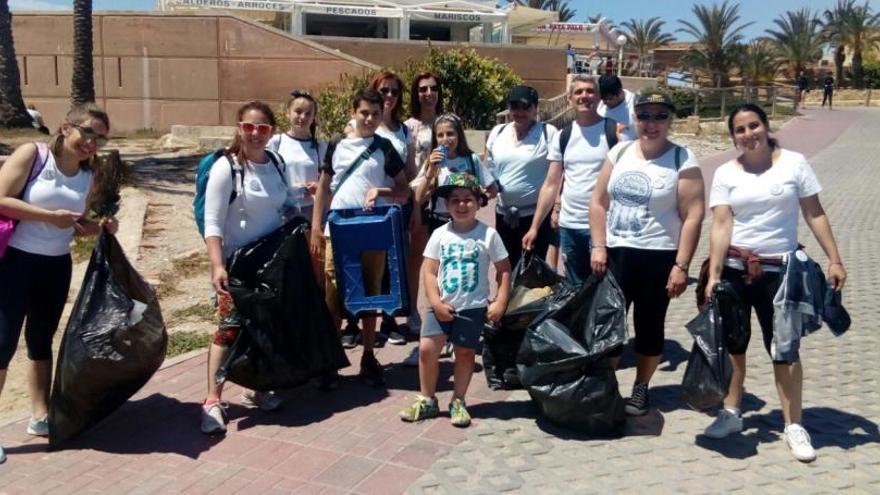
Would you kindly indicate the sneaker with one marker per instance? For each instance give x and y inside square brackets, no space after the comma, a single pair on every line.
[798,441]
[447,350]
[458,413]
[2,455]
[39,427]
[329,380]
[350,336]
[214,418]
[371,371]
[637,403]
[378,341]
[266,401]
[726,422]
[390,330]
[423,408]
[413,358]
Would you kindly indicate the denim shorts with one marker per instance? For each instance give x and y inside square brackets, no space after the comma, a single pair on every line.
[463,331]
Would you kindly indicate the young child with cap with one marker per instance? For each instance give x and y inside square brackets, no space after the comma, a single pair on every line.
[455,275]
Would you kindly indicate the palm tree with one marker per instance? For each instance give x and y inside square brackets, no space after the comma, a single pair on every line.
[83,84]
[836,33]
[798,39]
[864,32]
[717,31]
[646,36]
[758,62]
[12,110]
[566,13]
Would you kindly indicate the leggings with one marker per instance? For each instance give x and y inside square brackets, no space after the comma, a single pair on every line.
[642,275]
[827,96]
[33,287]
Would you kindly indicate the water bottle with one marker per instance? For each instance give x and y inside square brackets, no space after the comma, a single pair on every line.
[445,150]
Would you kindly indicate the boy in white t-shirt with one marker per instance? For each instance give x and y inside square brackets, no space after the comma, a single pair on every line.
[455,275]
[348,181]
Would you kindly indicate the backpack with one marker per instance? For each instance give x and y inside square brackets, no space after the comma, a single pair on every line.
[610,135]
[204,171]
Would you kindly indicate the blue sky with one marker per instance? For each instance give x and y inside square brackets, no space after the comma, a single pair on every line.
[762,12]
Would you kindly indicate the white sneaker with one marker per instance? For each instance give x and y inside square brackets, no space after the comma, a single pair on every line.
[798,441]
[266,401]
[39,427]
[413,358]
[213,418]
[725,423]
[447,350]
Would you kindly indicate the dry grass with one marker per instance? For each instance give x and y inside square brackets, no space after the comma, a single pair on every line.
[183,342]
[198,312]
[181,268]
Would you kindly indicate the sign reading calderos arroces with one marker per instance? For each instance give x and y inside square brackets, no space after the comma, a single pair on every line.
[234,4]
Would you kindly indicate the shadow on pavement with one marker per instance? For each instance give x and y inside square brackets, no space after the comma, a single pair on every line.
[673,356]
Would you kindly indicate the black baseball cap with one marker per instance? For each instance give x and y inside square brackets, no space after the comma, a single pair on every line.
[523,94]
[656,98]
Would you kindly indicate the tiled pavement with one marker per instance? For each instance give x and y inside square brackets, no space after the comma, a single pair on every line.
[351,440]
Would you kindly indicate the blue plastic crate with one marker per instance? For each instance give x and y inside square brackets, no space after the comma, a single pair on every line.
[354,231]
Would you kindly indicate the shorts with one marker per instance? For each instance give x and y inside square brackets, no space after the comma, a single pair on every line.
[373,267]
[463,331]
[228,321]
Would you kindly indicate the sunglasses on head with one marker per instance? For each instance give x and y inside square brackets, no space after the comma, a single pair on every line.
[389,91]
[519,105]
[89,134]
[249,128]
[658,117]
[433,89]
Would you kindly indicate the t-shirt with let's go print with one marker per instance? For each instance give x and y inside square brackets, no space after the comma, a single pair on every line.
[464,259]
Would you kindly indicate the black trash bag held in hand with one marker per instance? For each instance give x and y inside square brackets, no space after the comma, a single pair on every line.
[720,323]
[502,342]
[114,341]
[563,361]
[287,333]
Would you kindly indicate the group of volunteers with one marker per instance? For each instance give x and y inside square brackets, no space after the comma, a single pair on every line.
[610,191]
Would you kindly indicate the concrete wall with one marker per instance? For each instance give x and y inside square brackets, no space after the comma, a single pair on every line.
[158,69]
[541,67]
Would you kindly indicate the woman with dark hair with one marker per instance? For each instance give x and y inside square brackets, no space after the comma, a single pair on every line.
[645,217]
[755,201]
[259,181]
[44,188]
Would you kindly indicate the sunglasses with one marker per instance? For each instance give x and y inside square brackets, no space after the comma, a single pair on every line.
[89,134]
[519,105]
[657,117]
[432,89]
[249,128]
[389,91]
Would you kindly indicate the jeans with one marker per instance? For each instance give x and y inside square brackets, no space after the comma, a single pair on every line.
[574,245]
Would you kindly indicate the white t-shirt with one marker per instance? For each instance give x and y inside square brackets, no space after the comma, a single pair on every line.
[303,161]
[644,198]
[584,155]
[256,210]
[51,190]
[422,134]
[457,164]
[401,138]
[464,263]
[520,169]
[623,114]
[765,206]
[375,171]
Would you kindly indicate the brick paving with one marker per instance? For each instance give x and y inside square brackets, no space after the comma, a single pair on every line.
[350,440]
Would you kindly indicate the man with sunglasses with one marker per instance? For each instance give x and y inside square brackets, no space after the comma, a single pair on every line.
[617,104]
[516,154]
[576,155]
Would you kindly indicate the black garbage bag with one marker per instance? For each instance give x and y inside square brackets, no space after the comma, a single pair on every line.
[114,341]
[287,333]
[502,342]
[563,361]
[708,373]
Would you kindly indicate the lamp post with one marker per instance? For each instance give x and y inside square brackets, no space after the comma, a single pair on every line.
[621,40]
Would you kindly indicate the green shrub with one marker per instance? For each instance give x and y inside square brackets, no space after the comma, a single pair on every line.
[475,88]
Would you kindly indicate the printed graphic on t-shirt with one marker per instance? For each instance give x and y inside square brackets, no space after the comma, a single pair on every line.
[632,192]
[460,266]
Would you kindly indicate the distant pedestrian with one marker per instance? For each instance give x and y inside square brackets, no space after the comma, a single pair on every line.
[570,56]
[37,119]
[828,90]
[756,200]
[803,86]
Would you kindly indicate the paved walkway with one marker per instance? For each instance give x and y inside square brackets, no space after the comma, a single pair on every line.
[351,441]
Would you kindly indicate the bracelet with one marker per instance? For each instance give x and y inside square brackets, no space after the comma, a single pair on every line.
[682,266]
[836,263]
[602,246]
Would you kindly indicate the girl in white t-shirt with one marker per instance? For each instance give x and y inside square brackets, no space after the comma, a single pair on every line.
[35,269]
[255,212]
[302,151]
[756,199]
[645,217]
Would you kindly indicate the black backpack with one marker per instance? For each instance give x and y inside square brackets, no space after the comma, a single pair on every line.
[610,135]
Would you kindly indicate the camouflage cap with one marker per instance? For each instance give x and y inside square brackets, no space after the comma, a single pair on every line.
[462,180]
